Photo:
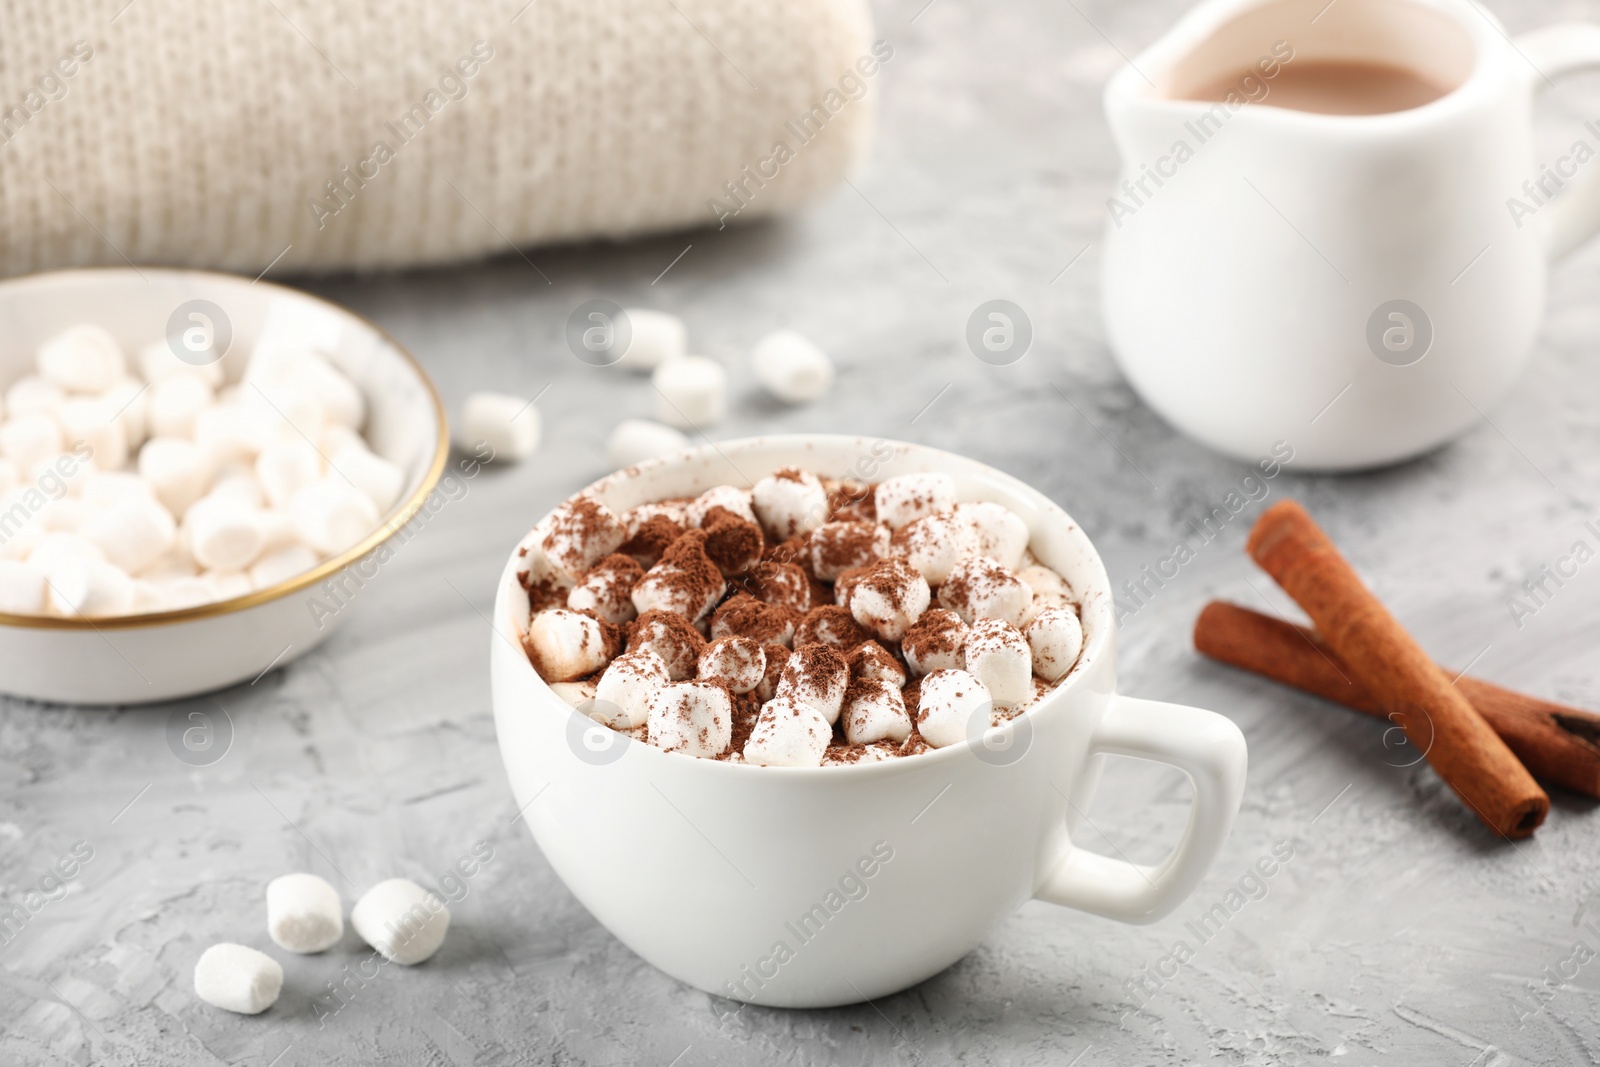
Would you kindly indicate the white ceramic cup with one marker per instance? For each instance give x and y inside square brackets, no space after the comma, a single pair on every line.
[1363,287]
[136,659]
[807,887]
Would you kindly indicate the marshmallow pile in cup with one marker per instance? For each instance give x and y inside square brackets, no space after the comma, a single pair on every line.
[801,622]
[161,486]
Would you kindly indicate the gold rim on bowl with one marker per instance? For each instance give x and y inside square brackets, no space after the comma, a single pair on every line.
[387,529]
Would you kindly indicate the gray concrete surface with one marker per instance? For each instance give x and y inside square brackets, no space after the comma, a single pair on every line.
[1400,932]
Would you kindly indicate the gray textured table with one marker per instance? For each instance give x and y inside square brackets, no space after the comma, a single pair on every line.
[1400,932]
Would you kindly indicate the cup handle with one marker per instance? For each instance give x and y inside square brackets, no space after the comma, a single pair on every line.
[1574,217]
[1211,751]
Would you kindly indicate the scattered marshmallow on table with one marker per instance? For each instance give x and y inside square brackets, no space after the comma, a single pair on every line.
[789,503]
[791,367]
[691,392]
[507,424]
[907,497]
[657,337]
[636,440]
[948,703]
[693,718]
[238,978]
[1056,638]
[999,656]
[788,733]
[400,919]
[303,913]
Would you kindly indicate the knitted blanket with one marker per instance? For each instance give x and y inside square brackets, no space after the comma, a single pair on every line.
[318,135]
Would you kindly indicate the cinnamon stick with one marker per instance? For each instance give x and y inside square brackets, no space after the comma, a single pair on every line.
[1560,745]
[1407,685]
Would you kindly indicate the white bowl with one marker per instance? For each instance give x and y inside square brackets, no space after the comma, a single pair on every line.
[872,876]
[140,658]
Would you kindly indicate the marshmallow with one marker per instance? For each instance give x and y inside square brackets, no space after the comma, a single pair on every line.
[88,419]
[934,643]
[176,562]
[622,696]
[82,586]
[791,367]
[33,395]
[370,473]
[129,401]
[71,469]
[225,585]
[133,532]
[657,338]
[565,645]
[178,592]
[21,543]
[816,675]
[400,919]
[237,485]
[836,547]
[67,514]
[235,431]
[742,615]
[222,534]
[788,733]
[685,580]
[979,588]
[158,362]
[331,515]
[870,661]
[727,497]
[175,404]
[281,564]
[907,497]
[889,597]
[338,396]
[508,424]
[690,392]
[54,546]
[999,656]
[830,625]
[607,589]
[10,476]
[303,913]
[84,359]
[22,588]
[790,503]
[105,489]
[997,531]
[636,440]
[576,694]
[291,412]
[934,544]
[1050,590]
[671,637]
[735,662]
[580,532]
[694,718]
[176,469]
[285,468]
[777,659]
[675,511]
[237,978]
[948,703]
[784,584]
[28,439]
[875,711]
[1056,637]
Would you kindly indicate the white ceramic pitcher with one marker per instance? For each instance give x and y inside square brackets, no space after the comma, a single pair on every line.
[1363,287]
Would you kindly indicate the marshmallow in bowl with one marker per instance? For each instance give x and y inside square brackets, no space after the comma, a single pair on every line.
[934,544]
[508,424]
[132,532]
[580,532]
[223,534]
[1056,638]
[606,589]
[909,497]
[685,581]
[870,661]
[670,636]
[331,515]
[726,497]
[997,531]
[83,359]
[979,588]
[948,701]
[889,598]
[788,733]
[997,654]
[27,439]
[816,675]
[83,586]
[22,588]
[622,696]
[565,645]
[736,662]
[935,642]
[694,718]
[875,711]
[836,547]
[790,503]
[1049,591]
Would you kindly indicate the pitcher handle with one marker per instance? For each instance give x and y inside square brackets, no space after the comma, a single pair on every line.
[1211,751]
[1573,217]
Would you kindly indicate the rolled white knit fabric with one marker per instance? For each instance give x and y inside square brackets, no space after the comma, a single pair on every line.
[372,133]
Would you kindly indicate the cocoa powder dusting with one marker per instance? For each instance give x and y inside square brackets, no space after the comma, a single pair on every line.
[742,615]
[830,625]
[654,536]
[732,543]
